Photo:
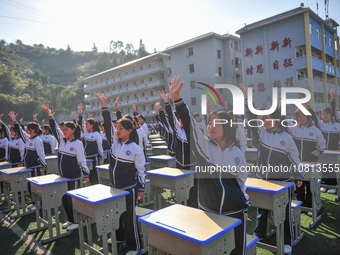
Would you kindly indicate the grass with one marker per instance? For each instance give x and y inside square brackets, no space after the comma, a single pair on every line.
[324,238]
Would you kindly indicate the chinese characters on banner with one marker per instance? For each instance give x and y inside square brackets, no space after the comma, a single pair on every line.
[274,46]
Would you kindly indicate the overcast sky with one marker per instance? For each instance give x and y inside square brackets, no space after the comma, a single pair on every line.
[159,23]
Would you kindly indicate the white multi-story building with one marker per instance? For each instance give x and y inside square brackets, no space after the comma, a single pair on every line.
[210,58]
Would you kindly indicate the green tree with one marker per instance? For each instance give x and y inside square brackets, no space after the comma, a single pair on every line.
[94,48]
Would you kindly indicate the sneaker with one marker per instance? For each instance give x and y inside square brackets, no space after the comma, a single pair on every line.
[73,226]
[31,207]
[132,253]
[331,191]
[287,249]
[66,224]
[260,238]
[310,214]
[323,190]
[109,241]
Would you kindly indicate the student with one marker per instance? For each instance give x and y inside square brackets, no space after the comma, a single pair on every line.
[48,140]
[16,146]
[71,161]
[141,120]
[331,132]
[34,150]
[201,124]
[310,143]
[223,192]
[4,141]
[126,172]
[93,144]
[275,147]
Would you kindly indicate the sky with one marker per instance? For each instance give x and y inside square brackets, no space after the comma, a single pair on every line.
[159,23]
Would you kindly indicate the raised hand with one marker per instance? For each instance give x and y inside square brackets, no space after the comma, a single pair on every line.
[116,103]
[226,105]
[163,96]
[1,117]
[21,120]
[47,109]
[35,116]
[13,116]
[103,99]
[158,106]
[175,88]
[333,93]
[134,108]
[90,116]
[80,108]
[244,90]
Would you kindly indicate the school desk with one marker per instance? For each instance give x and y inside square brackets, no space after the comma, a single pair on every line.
[273,196]
[180,181]
[332,157]
[313,174]
[160,150]
[49,189]
[3,165]
[156,139]
[154,136]
[15,181]
[52,164]
[296,209]
[105,205]
[162,161]
[157,143]
[180,229]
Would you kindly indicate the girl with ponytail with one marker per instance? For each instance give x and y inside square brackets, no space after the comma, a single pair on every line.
[126,172]
[71,161]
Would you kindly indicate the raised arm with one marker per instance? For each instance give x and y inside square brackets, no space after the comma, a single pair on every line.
[23,134]
[53,124]
[108,125]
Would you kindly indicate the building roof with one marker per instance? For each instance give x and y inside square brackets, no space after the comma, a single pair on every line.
[158,54]
[200,38]
[282,16]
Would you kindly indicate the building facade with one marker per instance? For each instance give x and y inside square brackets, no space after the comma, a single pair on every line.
[296,48]
[210,58]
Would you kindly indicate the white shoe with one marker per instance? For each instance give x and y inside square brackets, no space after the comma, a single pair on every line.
[323,190]
[310,214]
[132,253]
[31,207]
[287,249]
[109,241]
[66,224]
[331,191]
[73,226]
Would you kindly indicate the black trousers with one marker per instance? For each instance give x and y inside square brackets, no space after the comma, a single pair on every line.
[240,234]
[94,176]
[128,228]
[303,194]
[67,200]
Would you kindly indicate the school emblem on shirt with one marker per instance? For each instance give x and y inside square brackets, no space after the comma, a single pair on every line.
[237,161]
[92,136]
[30,144]
[335,128]
[311,134]
[128,153]
[17,144]
[283,143]
[71,149]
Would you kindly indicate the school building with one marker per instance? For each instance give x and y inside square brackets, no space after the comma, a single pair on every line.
[296,48]
[210,59]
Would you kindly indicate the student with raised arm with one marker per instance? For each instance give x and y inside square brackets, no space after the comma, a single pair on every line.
[93,144]
[49,141]
[34,150]
[331,132]
[220,192]
[71,161]
[5,136]
[275,147]
[126,172]
[141,120]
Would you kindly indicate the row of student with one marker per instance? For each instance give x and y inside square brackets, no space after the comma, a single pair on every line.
[276,146]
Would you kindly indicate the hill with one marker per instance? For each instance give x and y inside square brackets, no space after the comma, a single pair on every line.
[34,75]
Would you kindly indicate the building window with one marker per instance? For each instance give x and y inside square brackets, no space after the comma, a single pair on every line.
[318,33]
[150,79]
[330,42]
[142,81]
[220,71]
[144,108]
[135,95]
[143,94]
[237,62]
[151,92]
[190,52]
[191,68]
[231,44]
[218,54]
[128,97]
[193,101]
[169,58]
[237,46]
[325,38]
[169,72]
[310,28]
[192,84]
[141,68]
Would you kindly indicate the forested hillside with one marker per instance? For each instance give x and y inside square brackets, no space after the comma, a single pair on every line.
[35,75]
